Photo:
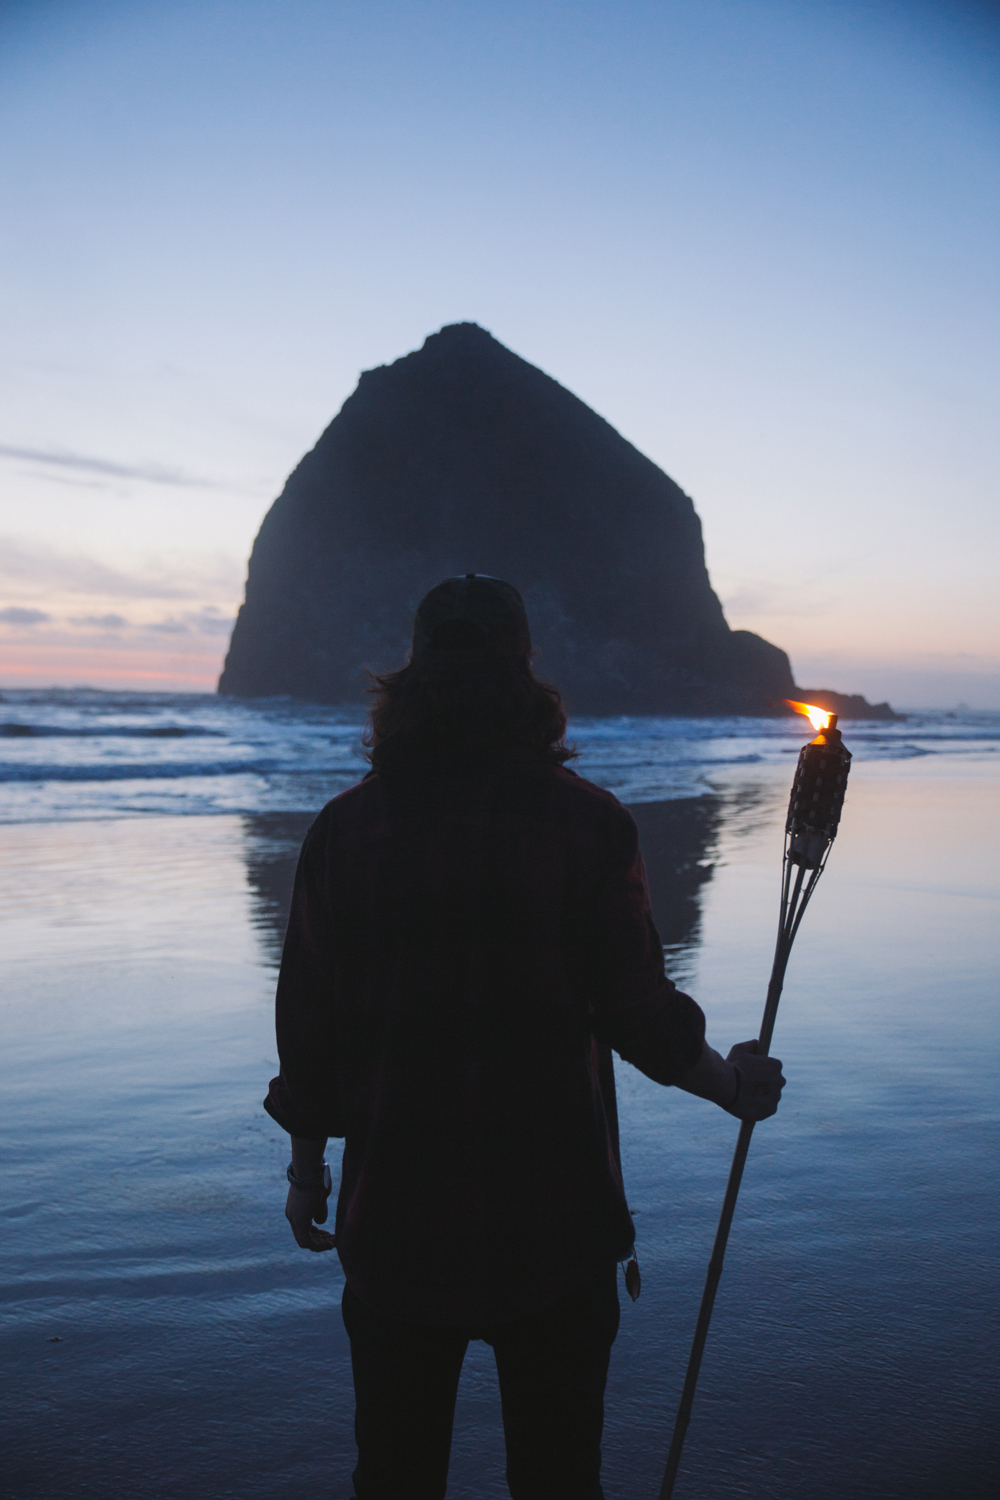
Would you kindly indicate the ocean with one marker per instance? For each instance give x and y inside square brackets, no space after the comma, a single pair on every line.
[163,1335]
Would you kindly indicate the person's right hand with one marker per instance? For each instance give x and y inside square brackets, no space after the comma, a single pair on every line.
[302,1208]
[760,1083]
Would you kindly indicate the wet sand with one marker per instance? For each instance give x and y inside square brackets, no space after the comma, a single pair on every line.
[164,1337]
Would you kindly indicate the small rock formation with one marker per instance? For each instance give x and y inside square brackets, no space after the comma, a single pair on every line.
[847,705]
[463,458]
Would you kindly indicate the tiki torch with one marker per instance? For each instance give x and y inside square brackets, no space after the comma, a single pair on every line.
[810,829]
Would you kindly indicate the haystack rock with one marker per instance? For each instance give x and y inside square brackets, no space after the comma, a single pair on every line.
[463,458]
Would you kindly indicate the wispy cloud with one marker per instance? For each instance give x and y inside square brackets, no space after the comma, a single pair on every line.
[15,615]
[101,622]
[46,571]
[207,621]
[107,468]
[802,598]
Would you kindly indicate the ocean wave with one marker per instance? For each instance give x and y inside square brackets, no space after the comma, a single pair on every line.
[73,755]
[124,770]
[129,770]
[929,737]
[13,731]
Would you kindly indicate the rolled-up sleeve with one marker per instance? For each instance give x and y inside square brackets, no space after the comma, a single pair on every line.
[303,1098]
[635,1007]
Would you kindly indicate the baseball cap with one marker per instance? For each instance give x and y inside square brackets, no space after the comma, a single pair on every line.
[495,608]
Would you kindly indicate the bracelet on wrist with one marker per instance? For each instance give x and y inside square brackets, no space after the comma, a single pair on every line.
[323,1183]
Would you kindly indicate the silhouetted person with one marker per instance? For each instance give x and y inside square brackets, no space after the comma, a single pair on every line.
[469,937]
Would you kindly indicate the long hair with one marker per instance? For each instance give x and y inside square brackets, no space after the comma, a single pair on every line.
[459,708]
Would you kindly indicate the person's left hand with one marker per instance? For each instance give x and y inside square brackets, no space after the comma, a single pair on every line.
[304,1209]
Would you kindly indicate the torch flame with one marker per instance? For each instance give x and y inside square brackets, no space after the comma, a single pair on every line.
[818,717]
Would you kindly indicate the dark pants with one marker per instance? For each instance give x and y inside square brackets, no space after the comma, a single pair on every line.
[552,1369]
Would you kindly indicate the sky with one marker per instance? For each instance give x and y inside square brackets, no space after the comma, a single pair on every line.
[759,237]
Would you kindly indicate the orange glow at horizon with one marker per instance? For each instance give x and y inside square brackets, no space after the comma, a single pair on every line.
[40,665]
[819,718]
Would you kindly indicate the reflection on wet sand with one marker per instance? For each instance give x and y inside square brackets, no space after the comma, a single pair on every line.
[679,842]
[160,1322]
[271,843]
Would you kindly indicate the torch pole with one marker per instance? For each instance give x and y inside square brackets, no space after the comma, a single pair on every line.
[813,816]
[721,1237]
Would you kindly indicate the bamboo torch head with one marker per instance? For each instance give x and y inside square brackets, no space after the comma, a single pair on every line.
[818,790]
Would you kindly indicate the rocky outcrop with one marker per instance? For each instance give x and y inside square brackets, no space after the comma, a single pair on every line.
[463,458]
[847,705]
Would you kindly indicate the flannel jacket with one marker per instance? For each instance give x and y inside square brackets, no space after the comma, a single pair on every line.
[463,951]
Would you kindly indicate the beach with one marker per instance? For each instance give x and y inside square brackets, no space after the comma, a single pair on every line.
[165,1336]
